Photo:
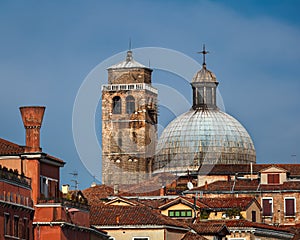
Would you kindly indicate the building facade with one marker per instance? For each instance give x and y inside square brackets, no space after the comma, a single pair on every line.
[129,123]
[32,207]
[16,206]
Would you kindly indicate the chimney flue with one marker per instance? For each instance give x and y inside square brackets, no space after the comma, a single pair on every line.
[32,117]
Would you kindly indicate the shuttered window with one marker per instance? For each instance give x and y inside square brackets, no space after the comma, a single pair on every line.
[289,206]
[267,206]
[273,178]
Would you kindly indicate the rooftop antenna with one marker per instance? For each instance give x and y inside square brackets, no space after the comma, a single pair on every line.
[204,52]
[149,63]
[75,179]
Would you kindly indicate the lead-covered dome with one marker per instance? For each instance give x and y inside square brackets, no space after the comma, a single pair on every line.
[202,137]
[204,134]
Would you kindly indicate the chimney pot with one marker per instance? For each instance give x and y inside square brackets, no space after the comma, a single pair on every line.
[32,117]
[206,186]
[162,191]
[118,219]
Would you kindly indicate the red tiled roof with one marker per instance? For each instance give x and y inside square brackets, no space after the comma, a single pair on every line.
[128,216]
[246,224]
[54,158]
[99,194]
[210,228]
[193,236]
[229,169]
[9,148]
[242,202]
[154,203]
[150,187]
[247,185]
[184,200]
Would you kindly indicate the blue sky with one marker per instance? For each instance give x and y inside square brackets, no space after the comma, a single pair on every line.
[47,48]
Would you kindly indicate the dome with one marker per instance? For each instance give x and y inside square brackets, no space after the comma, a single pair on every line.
[204,76]
[202,137]
[204,134]
[129,62]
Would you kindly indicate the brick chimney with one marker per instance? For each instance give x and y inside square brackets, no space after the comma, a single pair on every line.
[32,117]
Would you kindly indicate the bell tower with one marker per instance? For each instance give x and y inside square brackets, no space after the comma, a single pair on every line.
[129,123]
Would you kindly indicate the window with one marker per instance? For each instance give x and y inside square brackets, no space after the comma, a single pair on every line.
[253,216]
[267,204]
[200,96]
[6,224]
[208,96]
[273,178]
[16,226]
[289,207]
[116,105]
[130,104]
[180,213]
[44,187]
[26,231]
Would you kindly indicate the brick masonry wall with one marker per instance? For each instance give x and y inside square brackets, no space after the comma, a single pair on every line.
[128,139]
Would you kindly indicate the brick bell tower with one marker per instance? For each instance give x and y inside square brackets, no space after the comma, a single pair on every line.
[129,123]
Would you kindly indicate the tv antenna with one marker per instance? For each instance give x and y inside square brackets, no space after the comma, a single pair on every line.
[75,179]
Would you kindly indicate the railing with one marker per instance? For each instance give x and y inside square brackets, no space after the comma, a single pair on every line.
[16,198]
[75,203]
[14,177]
[126,87]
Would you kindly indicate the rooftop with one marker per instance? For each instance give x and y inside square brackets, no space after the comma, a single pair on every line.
[130,216]
[247,185]
[129,62]
[227,169]
[8,148]
[193,236]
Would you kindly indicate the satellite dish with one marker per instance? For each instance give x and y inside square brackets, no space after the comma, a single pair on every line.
[190,185]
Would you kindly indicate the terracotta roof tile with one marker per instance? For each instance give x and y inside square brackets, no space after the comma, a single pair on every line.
[229,169]
[129,215]
[246,224]
[210,228]
[9,148]
[154,203]
[247,185]
[55,158]
[193,236]
[184,200]
[99,194]
[242,202]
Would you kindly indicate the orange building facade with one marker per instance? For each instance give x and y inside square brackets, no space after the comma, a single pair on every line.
[53,215]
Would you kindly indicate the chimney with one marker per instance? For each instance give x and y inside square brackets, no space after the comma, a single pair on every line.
[32,119]
[162,191]
[118,219]
[65,188]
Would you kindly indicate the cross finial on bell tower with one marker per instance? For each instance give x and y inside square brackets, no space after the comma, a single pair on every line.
[204,52]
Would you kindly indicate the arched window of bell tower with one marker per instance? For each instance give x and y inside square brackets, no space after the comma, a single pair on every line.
[130,104]
[116,106]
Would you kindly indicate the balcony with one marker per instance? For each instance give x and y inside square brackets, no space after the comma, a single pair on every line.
[66,202]
[15,199]
[128,87]
[12,176]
